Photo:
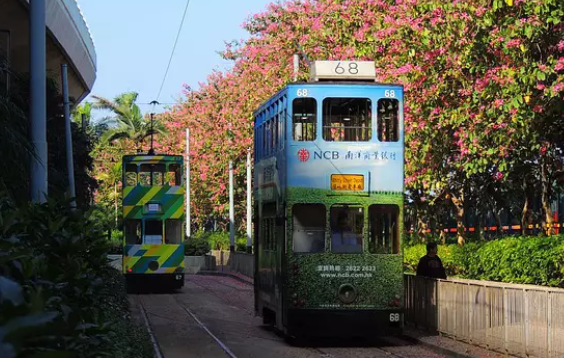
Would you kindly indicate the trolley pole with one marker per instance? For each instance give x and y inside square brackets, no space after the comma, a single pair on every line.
[249,204]
[68,136]
[38,92]
[231,210]
[188,216]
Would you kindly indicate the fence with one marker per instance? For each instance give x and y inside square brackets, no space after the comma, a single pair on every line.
[520,320]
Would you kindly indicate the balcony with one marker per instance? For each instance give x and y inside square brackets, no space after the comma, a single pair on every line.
[68,41]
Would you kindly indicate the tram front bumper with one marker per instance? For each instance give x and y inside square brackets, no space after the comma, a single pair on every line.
[323,323]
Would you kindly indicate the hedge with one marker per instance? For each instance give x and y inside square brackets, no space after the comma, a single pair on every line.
[58,295]
[537,260]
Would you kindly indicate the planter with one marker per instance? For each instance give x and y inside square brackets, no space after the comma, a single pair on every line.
[195,264]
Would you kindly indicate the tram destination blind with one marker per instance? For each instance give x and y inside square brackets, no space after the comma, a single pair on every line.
[343,70]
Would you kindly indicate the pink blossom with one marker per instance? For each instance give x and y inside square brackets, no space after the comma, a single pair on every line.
[559,64]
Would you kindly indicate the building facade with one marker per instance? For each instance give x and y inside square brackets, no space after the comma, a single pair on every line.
[68,40]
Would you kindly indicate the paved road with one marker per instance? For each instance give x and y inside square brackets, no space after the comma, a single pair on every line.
[224,306]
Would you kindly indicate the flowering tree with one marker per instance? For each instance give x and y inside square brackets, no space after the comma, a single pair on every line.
[484,84]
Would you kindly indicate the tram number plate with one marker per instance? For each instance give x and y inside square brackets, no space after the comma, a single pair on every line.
[394,317]
[349,182]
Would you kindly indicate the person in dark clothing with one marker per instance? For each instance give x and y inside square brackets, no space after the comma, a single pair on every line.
[431,265]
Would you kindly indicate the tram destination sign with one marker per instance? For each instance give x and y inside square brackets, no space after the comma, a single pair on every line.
[348,182]
[343,70]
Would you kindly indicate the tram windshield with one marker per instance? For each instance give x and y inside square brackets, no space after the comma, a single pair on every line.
[153,234]
[347,226]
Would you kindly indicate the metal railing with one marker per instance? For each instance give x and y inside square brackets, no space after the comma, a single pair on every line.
[521,320]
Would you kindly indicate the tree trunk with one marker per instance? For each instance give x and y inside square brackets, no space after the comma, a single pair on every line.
[421,227]
[498,224]
[116,204]
[458,202]
[525,214]
[480,224]
[545,198]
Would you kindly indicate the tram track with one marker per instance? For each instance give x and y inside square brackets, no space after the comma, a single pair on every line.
[222,331]
[154,343]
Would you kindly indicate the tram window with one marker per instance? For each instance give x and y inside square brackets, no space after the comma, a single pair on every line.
[173,175]
[132,231]
[173,231]
[153,234]
[388,120]
[308,228]
[347,119]
[304,112]
[130,175]
[347,226]
[152,174]
[384,229]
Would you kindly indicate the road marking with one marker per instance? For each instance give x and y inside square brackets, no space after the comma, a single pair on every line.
[218,341]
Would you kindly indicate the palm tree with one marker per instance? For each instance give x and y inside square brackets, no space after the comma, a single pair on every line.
[97,129]
[131,123]
[113,177]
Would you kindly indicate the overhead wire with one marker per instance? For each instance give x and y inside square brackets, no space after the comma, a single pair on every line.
[173,48]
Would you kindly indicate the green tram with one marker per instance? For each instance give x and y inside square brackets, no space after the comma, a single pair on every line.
[328,205]
[153,217]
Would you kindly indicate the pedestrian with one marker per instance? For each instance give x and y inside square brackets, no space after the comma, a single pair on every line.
[431,265]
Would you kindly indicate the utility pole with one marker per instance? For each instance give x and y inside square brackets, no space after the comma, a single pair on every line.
[231,210]
[249,204]
[188,224]
[296,66]
[38,92]
[68,135]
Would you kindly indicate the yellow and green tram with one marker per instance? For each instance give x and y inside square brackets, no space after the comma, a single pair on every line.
[153,217]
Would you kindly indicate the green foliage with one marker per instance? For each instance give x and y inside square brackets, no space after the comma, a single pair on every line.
[116,242]
[241,243]
[197,245]
[218,240]
[58,295]
[526,260]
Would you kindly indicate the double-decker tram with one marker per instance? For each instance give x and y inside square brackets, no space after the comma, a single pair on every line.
[328,204]
[153,216]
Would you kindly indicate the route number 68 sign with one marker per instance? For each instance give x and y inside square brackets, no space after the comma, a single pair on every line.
[343,70]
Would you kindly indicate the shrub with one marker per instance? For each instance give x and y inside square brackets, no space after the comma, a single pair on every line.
[219,240]
[197,245]
[528,260]
[55,284]
[241,243]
